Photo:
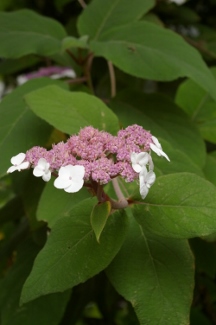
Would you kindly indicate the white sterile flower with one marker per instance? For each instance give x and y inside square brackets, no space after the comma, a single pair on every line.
[42,170]
[156,147]
[146,180]
[138,160]
[178,2]
[70,178]
[21,79]
[65,73]
[18,163]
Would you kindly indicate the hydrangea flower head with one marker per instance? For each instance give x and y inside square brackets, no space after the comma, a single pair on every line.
[93,158]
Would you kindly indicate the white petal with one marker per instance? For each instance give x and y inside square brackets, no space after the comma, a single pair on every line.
[77,171]
[43,163]
[158,151]
[143,190]
[46,177]
[150,178]
[133,158]
[69,73]
[24,165]
[38,171]
[11,169]
[156,142]
[143,172]
[151,164]
[62,182]
[75,186]
[18,159]
[164,155]
[21,80]
[65,171]
[137,168]
[143,158]
[155,149]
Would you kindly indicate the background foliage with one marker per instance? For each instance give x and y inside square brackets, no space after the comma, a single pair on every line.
[63,258]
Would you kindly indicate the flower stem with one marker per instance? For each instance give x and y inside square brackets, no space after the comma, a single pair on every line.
[77,80]
[112,78]
[88,71]
[82,4]
[122,203]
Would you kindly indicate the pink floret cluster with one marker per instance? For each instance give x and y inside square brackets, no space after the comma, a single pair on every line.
[103,155]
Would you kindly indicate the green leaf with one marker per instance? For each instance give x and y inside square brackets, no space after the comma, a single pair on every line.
[145,50]
[55,204]
[70,111]
[33,313]
[179,162]
[24,32]
[156,275]
[179,205]
[70,42]
[99,217]
[97,19]
[9,66]
[20,129]
[72,255]
[164,119]
[201,108]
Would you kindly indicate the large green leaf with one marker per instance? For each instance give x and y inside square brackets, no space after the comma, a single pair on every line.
[72,255]
[179,162]
[198,104]
[179,205]
[44,310]
[156,275]
[9,66]
[20,129]
[25,32]
[164,119]
[145,50]
[69,111]
[97,19]
[55,204]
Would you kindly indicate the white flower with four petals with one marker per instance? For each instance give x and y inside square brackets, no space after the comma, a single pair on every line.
[18,163]
[42,170]
[146,180]
[178,2]
[156,147]
[70,178]
[138,160]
